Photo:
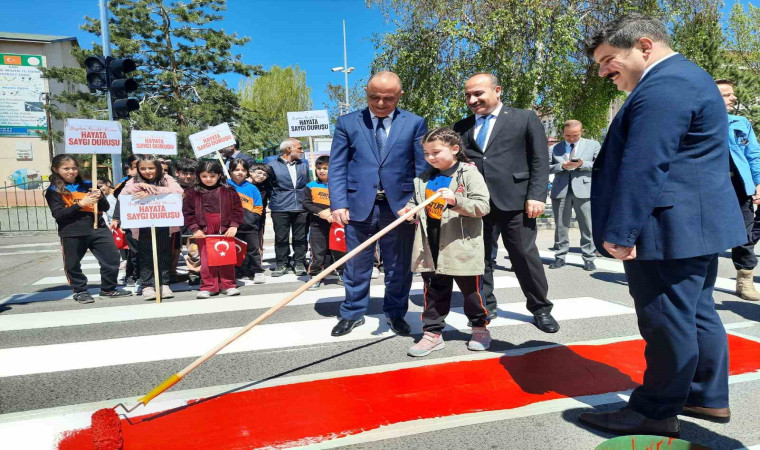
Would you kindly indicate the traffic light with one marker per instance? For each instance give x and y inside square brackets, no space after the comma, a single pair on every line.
[120,86]
[97,78]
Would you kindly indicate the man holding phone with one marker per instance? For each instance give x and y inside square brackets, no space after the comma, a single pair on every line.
[571,163]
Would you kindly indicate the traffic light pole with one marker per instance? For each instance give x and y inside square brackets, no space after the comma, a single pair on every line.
[105,33]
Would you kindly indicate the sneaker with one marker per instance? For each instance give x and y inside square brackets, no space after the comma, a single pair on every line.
[340,280]
[259,278]
[230,292]
[481,339]
[206,294]
[429,343]
[115,293]
[279,271]
[166,292]
[194,280]
[149,293]
[130,281]
[375,273]
[315,286]
[300,270]
[83,297]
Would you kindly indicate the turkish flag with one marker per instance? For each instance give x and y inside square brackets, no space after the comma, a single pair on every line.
[337,237]
[118,239]
[240,248]
[220,251]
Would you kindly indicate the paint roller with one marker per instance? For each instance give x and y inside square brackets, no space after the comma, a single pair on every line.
[106,425]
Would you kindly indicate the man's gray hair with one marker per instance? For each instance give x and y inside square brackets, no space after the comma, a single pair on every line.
[491,77]
[625,32]
[287,144]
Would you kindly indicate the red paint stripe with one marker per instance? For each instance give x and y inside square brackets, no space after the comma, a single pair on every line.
[315,411]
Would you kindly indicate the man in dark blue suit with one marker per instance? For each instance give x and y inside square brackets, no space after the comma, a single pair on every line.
[662,202]
[375,155]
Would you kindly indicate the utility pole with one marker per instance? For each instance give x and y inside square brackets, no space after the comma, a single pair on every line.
[105,33]
[345,107]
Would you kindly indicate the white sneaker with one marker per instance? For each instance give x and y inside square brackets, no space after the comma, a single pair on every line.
[375,273]
[259,278]
[481,339]
[149,293]
[203,294]
[166,292]
[429,343]
[231,291]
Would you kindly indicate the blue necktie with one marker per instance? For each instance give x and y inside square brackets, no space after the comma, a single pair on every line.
[380,136]
[481,138]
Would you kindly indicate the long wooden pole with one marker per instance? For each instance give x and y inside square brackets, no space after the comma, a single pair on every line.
[174,379]
[94,179]
[156,280]
[224,167]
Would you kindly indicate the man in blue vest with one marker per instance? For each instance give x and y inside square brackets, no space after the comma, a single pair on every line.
[745,176]
[659,195]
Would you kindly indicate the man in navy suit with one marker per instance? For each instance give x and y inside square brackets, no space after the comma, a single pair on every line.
[375,155]
[662,202]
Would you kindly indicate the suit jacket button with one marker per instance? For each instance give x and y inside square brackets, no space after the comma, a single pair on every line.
[485,158]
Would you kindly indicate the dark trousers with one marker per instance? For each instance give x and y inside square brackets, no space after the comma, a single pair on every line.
[518,234]
[100,243]
[132,256]
[396,248]
[437,297]
[686,345]
[319,241]
[252,262]
[163,251]
[744,256]
[284,223]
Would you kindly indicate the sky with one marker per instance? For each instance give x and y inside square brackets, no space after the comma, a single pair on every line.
[307,33]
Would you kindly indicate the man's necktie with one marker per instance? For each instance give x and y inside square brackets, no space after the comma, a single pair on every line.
[481,138]
[380,135]
[572,149]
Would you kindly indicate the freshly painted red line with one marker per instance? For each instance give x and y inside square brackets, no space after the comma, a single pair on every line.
[301,413]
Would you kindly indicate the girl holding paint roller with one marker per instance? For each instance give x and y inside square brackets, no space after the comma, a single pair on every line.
[71,202]
[151,180]
[213,207]
[448,243]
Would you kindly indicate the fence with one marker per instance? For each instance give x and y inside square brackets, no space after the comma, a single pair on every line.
[23,207]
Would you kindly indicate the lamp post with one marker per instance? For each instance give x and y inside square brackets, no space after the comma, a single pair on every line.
[345,106]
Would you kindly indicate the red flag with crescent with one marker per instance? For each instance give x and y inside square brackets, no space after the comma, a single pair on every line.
[337,237]
[240,248]
[119,239]
[220,251]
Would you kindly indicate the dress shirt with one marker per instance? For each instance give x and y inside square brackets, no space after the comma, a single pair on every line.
[292,171]
[386,122]
[646,71]
[479,123]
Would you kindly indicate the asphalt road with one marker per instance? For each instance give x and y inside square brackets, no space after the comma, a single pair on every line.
[59,360]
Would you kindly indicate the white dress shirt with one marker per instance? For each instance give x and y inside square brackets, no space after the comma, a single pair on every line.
[386,122]
[479,124]
[646,71]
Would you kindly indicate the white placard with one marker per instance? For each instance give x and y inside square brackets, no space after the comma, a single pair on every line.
[212,139]
[152,211]
[92,136]
[308,123]
[146,142]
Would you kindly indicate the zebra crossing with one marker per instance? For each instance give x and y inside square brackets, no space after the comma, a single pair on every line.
[60,361]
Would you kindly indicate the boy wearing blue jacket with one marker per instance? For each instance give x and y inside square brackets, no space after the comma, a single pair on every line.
[249,229]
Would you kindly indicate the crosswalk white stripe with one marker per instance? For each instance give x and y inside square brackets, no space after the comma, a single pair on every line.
[130,350]
[721,283]
[29,252]
[38,244]
[52,319]
[266,256]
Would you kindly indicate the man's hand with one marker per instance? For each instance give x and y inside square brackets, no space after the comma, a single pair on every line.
[572,165]
[534,208]
[756,197]
[620,252]
[341,216]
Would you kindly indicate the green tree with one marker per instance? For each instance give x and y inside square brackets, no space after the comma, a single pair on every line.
[743,60]
[180,53]
[336,94]
[267,99]
[535,48]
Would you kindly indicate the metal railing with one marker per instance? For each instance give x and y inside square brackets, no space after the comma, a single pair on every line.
[23,207]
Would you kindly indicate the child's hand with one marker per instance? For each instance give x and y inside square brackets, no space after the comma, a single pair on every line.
[139,194]
[88,200]
[325,214]
[231,232]
[199,234]
[114,225]
[448,195]
[148,188]
[405,210]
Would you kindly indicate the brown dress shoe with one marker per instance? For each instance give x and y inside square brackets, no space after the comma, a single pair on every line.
[717,415]
[627,421]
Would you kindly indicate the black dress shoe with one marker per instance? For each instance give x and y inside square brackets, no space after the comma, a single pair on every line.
[545,322]
[345,326]
[628,421]
[399,325]
[717,415]
[589,266]
[557,264]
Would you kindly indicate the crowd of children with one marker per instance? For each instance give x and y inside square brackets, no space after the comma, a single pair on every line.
[448,245]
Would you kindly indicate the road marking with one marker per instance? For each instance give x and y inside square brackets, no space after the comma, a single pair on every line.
[44,244]
[29,252]
[214,305]
[170,346]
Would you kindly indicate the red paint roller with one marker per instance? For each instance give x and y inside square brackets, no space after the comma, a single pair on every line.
[106,425]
